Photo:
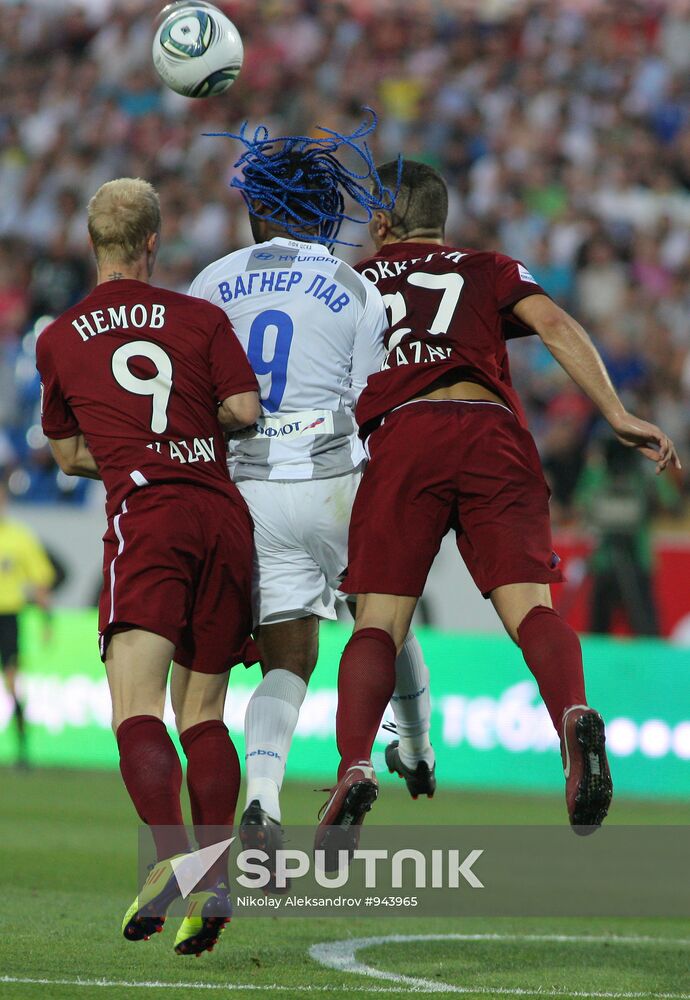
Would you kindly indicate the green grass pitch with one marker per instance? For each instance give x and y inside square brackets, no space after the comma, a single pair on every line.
[68,871]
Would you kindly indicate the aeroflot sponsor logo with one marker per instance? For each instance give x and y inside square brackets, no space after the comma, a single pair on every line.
[292,425]
[288,430]
[314,423]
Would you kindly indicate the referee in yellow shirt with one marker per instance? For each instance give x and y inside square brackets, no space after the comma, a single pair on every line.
[26,575]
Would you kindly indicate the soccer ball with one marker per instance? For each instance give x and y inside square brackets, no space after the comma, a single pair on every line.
[197,50]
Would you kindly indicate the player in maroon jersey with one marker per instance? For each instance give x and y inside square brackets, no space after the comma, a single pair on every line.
[450,449]
[138,385]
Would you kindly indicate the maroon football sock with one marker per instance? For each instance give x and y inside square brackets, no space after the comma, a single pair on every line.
[553,653]
[153,777]
[366,680]
[213,780]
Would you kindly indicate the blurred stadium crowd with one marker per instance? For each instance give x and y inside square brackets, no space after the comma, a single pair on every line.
[563,130]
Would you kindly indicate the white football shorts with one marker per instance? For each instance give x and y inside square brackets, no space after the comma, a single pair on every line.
[300,539]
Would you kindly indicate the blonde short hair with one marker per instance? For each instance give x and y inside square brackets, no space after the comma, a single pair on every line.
[122,216]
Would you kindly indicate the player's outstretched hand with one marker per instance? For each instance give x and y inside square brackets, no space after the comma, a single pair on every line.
[649,439]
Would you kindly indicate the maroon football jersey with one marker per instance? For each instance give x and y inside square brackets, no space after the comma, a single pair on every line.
[139,371]
[449,311]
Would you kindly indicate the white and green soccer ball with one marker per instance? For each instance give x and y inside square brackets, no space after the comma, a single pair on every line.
[197,50]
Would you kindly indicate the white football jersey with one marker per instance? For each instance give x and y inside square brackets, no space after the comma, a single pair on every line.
[313,330]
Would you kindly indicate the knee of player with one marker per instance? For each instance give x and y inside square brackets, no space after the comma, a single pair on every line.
[388,612]
[291,645]
[187,717]
[301,666]
[380,624]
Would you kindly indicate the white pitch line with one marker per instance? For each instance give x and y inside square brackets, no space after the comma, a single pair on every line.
[342,956]
[344,989]
[218,987]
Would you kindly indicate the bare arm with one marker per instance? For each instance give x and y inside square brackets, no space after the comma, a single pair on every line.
[572,348]
[239,411]
[41,597]
[73,456]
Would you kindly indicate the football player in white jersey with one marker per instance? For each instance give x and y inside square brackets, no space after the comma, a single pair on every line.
[313,331]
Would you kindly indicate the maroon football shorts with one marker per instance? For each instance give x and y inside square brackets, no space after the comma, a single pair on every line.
[437,465]
[177,561]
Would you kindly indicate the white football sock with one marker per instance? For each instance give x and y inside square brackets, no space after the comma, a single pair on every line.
[411,704]
[270,721]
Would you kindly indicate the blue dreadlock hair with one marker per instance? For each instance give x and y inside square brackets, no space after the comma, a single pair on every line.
[300,185]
